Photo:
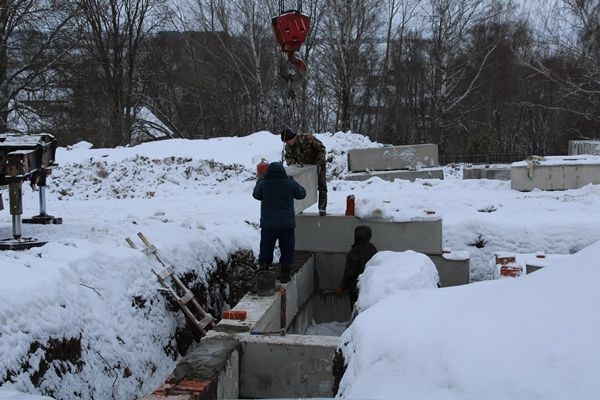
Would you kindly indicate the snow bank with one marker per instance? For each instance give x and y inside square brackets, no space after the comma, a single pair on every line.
[8,394]
[390,272]
[527,338]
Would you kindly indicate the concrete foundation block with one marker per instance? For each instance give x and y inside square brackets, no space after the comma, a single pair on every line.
[502,174]
[287,367]
[329,268]
[433,173]
[299,290]
[453,269]
[263,315]
[307,177]
[391,158]
[210,370]
[572,173]
[578,147]
[335,234]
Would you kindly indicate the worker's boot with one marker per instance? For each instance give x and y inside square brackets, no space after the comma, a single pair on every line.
[284,276]
[263,266]
[265,283]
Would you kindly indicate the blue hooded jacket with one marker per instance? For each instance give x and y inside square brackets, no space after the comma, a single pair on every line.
[277,192]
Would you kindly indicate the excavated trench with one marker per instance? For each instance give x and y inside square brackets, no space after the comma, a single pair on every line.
[64,358]
[283,349]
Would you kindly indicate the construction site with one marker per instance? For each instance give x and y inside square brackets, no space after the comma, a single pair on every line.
[144,271]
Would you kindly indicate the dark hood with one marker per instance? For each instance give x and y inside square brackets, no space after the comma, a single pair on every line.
[362,234]
[276,171]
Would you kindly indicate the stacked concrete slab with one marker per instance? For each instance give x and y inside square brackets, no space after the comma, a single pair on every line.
[487,172]
[556,173]
[395,162]
[331,237]
[579,147]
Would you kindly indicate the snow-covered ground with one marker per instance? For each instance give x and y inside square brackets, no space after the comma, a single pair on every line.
[530,338]
[193,200]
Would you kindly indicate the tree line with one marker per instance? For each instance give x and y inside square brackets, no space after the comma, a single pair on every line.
[474,76]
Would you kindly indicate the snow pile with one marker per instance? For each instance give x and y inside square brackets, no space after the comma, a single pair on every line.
[338,145]
[8,394]
[369,208]
[142,177]
[390,272]
[527,338]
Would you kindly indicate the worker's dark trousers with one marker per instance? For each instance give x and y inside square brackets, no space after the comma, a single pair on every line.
[287,242]
[322,187]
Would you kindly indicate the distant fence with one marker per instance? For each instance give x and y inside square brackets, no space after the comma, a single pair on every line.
[489,158]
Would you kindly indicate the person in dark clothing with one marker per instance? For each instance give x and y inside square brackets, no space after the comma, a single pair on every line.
[361,252]
[307,149]
[277,192]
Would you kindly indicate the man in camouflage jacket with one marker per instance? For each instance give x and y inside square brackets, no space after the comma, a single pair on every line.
[307,149]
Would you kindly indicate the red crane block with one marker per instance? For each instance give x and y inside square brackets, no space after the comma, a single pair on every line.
[291,29]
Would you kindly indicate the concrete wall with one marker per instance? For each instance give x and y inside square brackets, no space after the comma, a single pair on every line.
[555,177]
[264,312]
[390,158]
[329,268]
[307,177]
[502,174]
[335,234]
[290,367]
[452,271]
[577,147]
[437,173]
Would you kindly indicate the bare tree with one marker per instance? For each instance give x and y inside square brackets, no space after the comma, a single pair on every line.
[349,49]
[450,22]
[32,42]
[114,31]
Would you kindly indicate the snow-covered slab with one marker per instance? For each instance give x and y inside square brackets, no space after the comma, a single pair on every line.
[414,156]
[577,147]
[556,173]
[335,233]
[530,338]
[426,173]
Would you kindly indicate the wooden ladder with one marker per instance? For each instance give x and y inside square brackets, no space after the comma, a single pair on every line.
[200,318]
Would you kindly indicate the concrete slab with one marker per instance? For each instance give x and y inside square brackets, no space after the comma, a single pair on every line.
[335,234]
[307,177]
[299,290]
[329,268]
[453,268]
[430,173]
[498,173]
[578,147]
[263,314]
[390,158]
[556,173]
[290,367]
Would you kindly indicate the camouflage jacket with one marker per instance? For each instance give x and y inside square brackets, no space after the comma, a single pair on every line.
[307,150]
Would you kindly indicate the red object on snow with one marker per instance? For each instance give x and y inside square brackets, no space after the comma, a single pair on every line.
[261,168]
[350,205]
[291,29]
[511,271]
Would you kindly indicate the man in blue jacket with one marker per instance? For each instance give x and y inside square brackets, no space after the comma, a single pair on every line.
[277,192]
